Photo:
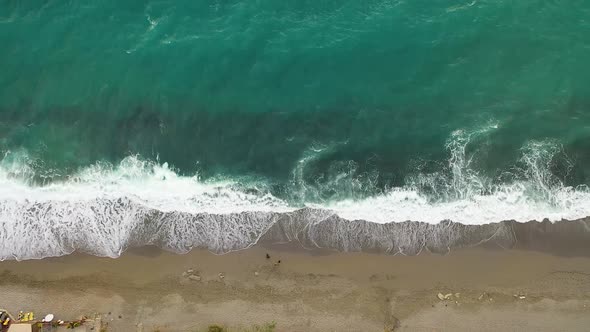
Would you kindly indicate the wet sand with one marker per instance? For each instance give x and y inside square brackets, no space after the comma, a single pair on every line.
[308,290]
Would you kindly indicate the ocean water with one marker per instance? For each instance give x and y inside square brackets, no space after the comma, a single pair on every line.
[397,125]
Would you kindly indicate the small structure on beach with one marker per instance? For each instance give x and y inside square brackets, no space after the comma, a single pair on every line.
[22,327]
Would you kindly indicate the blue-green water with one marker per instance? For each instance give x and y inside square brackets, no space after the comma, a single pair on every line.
[341,105]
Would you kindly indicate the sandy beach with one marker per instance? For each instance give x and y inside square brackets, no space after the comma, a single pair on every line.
[294,166]
[148,289]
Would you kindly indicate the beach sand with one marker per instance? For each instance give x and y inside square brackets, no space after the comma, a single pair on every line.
[145,290]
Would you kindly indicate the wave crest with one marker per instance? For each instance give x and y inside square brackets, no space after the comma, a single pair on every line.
[104,209]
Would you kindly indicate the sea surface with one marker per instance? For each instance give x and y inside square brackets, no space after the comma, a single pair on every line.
[389,124]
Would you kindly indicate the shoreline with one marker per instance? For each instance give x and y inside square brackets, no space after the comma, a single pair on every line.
[313,229]
[317,290]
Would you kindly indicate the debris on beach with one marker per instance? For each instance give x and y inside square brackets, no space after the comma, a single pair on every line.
[221,275]
[188,273]
[484,294]
[26,322]
[444,297]
[192,275]
[47,319]
[519,296]
[194,278]
[267,256]
[25,316]
[74,324]
[5,318]
[256,273]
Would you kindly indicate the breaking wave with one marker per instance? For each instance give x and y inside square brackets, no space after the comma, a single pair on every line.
[104,209]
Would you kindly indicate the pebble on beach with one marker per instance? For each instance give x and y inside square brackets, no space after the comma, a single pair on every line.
[194,278]
[191,274]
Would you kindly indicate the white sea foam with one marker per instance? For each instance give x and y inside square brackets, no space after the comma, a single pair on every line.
[103,209]
[464,196]
[512,202]
[151,184]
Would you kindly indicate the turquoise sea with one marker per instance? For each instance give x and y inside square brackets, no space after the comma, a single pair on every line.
[202,123]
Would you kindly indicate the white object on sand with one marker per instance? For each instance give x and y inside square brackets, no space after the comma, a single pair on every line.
[48,318]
